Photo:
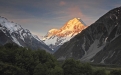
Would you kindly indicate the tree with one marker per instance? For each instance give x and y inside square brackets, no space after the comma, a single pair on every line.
[86,69]
[22,61]
[73,67]
[57,71]
[100,72]
[7,69]
[115,72]
[41,69]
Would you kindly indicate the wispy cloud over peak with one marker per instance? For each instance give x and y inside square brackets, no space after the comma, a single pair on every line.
[62,3]
[75,11]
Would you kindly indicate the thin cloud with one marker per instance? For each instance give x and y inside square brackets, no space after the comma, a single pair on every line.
[71,12]
[62,3]
[75,12]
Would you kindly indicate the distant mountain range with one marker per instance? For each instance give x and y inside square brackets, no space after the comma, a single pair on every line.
[56,37]
[98,43]
[11,32]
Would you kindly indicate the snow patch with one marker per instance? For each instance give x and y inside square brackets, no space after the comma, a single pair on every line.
[24,35]
[115,16]
[106,39]
[112,54]
[104,60]
[111,18]
[16,41]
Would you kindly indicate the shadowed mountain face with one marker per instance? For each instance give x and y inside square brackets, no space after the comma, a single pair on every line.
[13,33]
[99,43]
[56,37]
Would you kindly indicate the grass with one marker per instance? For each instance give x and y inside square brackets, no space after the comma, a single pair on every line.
[107,68]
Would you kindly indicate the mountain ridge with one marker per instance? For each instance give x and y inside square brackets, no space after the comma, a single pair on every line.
[56,37]
[99,43]
[14,33]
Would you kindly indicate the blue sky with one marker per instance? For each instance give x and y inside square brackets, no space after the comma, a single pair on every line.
[39,16]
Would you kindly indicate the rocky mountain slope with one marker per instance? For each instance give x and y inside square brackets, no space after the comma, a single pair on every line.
[11,32]
[56,37]
[99,43]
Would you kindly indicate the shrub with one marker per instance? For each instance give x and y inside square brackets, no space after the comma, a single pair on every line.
[115,72]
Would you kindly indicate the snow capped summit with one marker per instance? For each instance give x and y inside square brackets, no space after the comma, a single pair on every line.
[74,21]
[11,32]
[56,37]
[72,27]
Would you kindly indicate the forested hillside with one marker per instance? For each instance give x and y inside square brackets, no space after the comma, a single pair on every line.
[15,60]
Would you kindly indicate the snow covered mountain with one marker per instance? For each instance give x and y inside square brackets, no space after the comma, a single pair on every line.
[99,43]
[56,37]
[11,32]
